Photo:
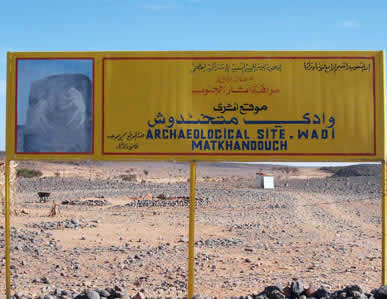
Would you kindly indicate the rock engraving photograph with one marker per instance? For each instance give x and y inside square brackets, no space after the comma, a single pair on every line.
[54,106]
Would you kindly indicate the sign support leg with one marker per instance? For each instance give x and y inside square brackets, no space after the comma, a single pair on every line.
[384,223]
[7,231]
[191,243]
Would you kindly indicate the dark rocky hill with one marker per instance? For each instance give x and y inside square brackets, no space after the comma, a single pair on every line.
[354,170]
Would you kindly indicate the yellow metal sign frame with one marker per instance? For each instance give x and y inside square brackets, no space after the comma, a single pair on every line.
[365,71]
[213,106]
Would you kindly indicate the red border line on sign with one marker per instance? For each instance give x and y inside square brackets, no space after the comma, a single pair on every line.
[231,58]
[237,154]
[374,94]
[93,106]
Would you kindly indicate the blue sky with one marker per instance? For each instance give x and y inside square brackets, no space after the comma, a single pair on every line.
[101,25]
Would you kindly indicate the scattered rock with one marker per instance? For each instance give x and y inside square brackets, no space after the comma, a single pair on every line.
[92,294]
[139,295]
[64,224]
[88,202]
[296,288]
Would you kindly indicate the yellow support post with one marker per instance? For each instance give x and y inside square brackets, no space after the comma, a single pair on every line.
[7,232]
[191,242]
[384,223]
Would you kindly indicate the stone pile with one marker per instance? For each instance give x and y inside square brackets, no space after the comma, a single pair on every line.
[353,186]
[211,243]
[87,202]
[354,170]
[68,223]
[296,290]
[31,242]
[82,188]
[244,226]
[166,202]
[111,293]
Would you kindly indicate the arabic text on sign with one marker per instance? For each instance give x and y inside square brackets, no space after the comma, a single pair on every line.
[337,67]
[236,67]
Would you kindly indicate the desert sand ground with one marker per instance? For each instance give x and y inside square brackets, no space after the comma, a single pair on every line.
[118,227]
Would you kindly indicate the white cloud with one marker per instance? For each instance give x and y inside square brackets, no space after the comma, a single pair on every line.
[349,24]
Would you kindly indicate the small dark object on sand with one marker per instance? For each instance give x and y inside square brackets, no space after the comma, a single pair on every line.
[43,196]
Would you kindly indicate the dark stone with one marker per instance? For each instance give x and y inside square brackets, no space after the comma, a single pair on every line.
[122,294]
[321,293]
[104,293]
[139,295]
[66,293]
[270,289]
[358,295]
[341,294]
[277,295]
[309,291]
[261,296]
[297,288]
[287,291]
[92,294]
[111,291]
[353,288]
[380,293]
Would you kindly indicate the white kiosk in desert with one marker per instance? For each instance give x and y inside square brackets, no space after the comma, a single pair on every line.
[225,106]
[265,181]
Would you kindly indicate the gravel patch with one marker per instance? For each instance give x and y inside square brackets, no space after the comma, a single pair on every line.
[58,225]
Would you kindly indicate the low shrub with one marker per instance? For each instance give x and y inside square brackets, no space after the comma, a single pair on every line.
[28,173]
[128,177]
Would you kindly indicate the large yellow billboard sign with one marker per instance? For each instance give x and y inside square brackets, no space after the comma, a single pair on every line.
[236,106]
